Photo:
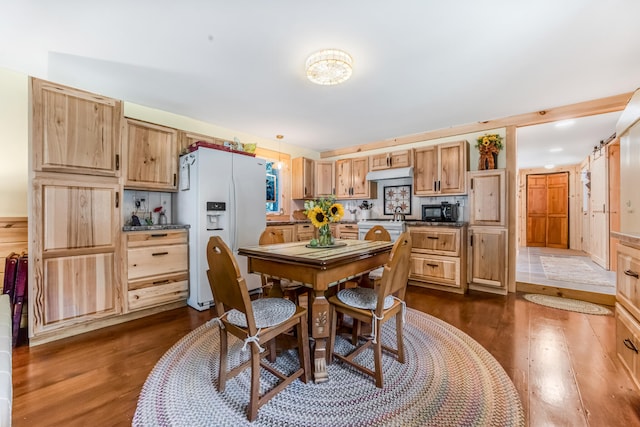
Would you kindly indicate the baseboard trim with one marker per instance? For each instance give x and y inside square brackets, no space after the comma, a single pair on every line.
[593,297]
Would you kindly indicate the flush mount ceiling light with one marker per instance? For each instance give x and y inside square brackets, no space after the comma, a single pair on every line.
[329,67]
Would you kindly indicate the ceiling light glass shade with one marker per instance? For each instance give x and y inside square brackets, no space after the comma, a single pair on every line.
[329,67]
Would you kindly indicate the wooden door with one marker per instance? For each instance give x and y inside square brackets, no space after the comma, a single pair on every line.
[548,210]
[75,131]
[536,210]
[558,210]
[453,162]
[343,178]
[325,178]
[614,200]
[152,156]
[599,224]
[425,170]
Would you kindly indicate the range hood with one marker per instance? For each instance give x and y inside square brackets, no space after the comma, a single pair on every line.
[390,174]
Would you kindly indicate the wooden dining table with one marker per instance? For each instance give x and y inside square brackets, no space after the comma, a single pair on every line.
[318,269]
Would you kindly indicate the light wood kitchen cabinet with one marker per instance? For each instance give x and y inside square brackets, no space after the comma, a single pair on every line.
[438,258]
[395,159]
[305,231]
[488,259]
[288,231]
[152,156]
[628,309]
[351,179]
[325,178]
[347,231]
[74,131]
[487,198]
[157,268]
[441,169]
[302,182]
[75,255]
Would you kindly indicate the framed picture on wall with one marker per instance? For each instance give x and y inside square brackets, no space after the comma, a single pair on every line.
[397,196]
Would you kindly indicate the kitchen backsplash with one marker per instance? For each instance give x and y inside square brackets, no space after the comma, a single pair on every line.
[143,203]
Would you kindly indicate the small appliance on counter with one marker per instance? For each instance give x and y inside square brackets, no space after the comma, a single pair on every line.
[444,212]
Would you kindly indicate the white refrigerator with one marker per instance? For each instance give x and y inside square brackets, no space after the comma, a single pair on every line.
[220,194]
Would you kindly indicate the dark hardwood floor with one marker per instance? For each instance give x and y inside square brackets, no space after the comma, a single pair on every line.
[562,363]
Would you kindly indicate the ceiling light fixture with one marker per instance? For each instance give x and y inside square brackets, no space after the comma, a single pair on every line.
[329,67]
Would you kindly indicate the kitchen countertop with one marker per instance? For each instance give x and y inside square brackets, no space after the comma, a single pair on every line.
[416,223]
[305,221]
[155,227]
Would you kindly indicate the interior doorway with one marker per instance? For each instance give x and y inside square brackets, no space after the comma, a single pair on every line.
[548,210]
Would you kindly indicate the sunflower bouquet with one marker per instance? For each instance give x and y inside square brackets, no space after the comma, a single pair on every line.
[322,212]
[488,145]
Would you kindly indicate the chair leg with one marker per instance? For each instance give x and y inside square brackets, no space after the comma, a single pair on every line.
[272,350]
[399,338]
[355,331]
[377,355]
[222,372]
[254,398]
[303,349]
[333,319]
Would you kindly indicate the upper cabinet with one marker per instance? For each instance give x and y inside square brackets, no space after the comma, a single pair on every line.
[74,131]
[441,169]
[302,184]
[152,156]
[351,179]
[487,198]
[325,178]
[396,159]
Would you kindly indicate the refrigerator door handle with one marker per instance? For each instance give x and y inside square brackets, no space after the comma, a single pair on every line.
[233,215]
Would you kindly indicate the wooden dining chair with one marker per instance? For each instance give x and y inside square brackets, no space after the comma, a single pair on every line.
[254,322]
[376,306]
[378,233]
[279,287]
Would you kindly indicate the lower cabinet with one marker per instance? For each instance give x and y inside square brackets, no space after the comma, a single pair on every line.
[488,259]
[347,231]
[438,258]
[157,268]
[305,232]
[628,309]
[288,231]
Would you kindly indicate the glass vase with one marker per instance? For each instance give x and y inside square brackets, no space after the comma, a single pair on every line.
[324,235]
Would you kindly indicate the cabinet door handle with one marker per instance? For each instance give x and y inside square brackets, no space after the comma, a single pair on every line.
[433,265]
[117,162]
[175,179]
[161,282]
[434,186]
[631,273]
[439,185]
[630,345]
[432,237]
[159,235]
[117,199]
[160,253]
[472,183]
[471,241]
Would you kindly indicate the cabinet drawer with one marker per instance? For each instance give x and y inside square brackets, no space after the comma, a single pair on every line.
[437,241]
[348,231]
[305,232]
[435,269]
[136,239]
[157,291]
[627,280]
[628,342]
[157,260]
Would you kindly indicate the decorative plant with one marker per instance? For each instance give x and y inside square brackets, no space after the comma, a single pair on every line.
[488,145]
[366,205]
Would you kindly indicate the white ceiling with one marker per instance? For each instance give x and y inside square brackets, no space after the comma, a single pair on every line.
[419,65]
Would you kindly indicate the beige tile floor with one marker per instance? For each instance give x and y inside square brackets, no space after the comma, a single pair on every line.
[529,270]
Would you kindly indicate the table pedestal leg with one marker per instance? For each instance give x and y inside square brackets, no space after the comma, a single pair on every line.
[320,332]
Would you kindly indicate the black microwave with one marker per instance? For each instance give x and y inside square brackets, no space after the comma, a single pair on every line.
[444,212]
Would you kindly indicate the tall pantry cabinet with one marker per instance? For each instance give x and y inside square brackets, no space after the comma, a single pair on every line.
[75,209]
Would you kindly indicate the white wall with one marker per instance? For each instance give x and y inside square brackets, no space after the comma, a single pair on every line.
[14,141]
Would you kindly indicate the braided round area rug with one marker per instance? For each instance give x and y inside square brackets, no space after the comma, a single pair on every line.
[448,379]
[567,304]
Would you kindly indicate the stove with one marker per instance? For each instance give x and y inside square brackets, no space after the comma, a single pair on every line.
[395,228]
